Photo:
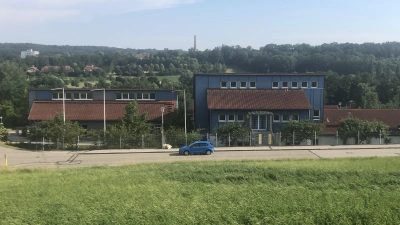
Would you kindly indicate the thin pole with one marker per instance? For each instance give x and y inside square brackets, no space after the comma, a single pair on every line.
[64,104]
[104,111]
[184,105]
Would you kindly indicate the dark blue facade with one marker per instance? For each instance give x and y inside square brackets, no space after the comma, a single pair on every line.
[207,120]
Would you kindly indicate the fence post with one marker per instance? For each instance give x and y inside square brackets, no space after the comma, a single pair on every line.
[229,140]
[293,138]
[280,137]
[120,142]
[380,137]
[43,144]
[208,138]
[216,139]
[77,144]
[249,138]
[358,137]
[337,137]
[142,141]
[315,137]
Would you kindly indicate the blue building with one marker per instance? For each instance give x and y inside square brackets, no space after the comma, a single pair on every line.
[265,102]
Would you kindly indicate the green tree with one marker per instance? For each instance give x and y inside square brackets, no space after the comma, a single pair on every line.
[303,130]
[362,130]
[235,131]
[3,133]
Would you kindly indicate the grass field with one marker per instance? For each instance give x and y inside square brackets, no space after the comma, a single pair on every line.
[337,191]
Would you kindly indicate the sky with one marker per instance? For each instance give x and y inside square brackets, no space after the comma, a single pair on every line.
[172,24]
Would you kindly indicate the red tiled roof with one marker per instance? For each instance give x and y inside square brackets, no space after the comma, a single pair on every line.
[332,117]
[257,99]
[331,107]
[93,110]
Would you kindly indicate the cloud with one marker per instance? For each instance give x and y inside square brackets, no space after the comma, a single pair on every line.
[32,11]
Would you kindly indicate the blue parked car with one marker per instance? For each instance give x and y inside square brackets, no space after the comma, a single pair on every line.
[197,147]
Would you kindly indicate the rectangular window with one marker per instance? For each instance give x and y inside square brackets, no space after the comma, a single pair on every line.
[221,118]
[68,96]
[304,84]
[233,84]
[285,118]
[294,84]
[240,118]
[259,122]
[223,84]
[119,96]
[139,96]
[285,84]
[252,84]
[152,95]
[146,96]
[231,118]
[243,84]
[275,84]
[125,96]
[295,117]
[57,95]
[316,115]
[277,118]
[314,84]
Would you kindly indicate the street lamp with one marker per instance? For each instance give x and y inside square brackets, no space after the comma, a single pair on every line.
[104,110]
[63,98]
[184,106]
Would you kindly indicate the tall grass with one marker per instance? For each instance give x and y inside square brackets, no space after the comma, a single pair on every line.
[339,191]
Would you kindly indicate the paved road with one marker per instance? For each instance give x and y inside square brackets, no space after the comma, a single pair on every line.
[68,159]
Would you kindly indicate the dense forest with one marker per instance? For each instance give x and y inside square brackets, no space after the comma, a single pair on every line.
[368,73]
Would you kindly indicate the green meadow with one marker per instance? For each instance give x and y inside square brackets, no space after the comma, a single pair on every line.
[334,191]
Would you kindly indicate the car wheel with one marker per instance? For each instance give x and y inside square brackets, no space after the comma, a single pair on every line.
[208,152]
[186,152]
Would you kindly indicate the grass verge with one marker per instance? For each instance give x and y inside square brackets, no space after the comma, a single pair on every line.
[334,191]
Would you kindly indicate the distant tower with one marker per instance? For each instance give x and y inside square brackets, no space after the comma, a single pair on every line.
[195,43]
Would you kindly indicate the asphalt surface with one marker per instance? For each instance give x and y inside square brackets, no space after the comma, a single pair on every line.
[117,157]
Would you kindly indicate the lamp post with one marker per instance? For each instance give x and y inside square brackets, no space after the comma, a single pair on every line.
[63,98]
[162,126]
[104,110]
[184,105]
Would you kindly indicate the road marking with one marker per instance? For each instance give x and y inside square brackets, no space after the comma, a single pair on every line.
[314,154]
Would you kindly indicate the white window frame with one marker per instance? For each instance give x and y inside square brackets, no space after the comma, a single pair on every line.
[251,86]
[229,118]
[70,96]
[273,82]
[219,118]
[316,84]
[278,120]
[287,84]
[298,118]
[283,118]
[297,84]
[302,86]
[59,95]
[235,82]
[240,120]
[125,96]
[243,82]
[226,84]
[82,96]
[147,96]
[319,114]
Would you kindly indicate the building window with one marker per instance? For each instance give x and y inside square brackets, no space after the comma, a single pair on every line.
[294,84]
[285,118]
[240,118]
[314,84]
[295,117]
[153,96]
[221,118]
[57,95]
[252,84]
[223,84]
[277,118]
[316,114]
[304,84]
[83,96]
[233,84]
[68,96]
[284,84]
[259,122]
[275,84]
[243,84]
[231,118]
[125,96]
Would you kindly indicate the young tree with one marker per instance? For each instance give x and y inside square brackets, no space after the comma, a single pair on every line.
[234,131]
[302,130]
[362,130]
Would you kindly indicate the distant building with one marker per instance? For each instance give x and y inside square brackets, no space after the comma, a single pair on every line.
[57,69]
[32,69]
[26,53]
[90,68]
